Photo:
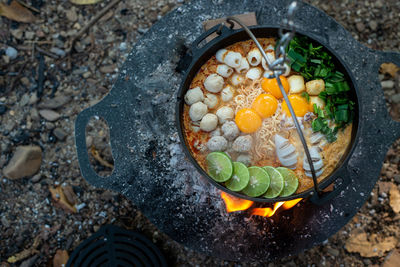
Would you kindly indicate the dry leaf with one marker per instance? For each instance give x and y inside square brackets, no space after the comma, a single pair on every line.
[22,255]
[102,161]
[375,247]
[389,68]
[392,260]
[15,11]
[394,198]
[59,197]
[61,258]
[84,2]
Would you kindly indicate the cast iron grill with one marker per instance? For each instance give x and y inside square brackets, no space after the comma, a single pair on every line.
[114,246]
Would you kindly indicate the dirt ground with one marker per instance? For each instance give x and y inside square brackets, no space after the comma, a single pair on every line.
[56,209]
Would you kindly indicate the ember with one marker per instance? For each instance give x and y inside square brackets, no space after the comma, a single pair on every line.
[236,204]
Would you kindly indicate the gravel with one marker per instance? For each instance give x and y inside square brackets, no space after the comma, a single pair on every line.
[73,83]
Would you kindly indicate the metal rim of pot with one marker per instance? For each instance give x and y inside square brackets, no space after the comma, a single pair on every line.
[195,58]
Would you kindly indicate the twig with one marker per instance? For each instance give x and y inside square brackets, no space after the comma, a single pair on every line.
[91,23]
[38,42]
[28,6]
[19,75]
[42,51]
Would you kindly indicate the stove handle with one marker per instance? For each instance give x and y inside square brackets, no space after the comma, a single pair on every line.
[392,127]
[340,183]
[83,156]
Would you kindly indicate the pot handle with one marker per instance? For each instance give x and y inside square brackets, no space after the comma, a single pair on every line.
[83,157]
[340,183]
[221,30]
[392,127]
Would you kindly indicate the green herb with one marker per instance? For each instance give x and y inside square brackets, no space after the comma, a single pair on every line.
[314,62]
[306,96]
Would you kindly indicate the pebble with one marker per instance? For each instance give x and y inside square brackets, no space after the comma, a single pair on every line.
[34,99]
[35,114]
[49,114]
[55,103]
[58,51]
[107,69]
[36,178]
[334,252]
[17,33]
[122,46]
[29,35]
[24,100]
[86,75]
[25,81]
[373,25]
[396,98]
[60,133]
[360,26]
[71,15]
[11,52]
[26,161]
[397,178]
[389,84]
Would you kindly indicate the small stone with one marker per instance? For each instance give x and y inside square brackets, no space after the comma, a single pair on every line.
[17,33]
[6,59]
[55,103]
[397,178]
[71,15]
[36,178]
[334,252]
[26,161]
[24,100]
[35,114]
[34,99]
[107,69]
[373,25]
[60,133]
[29,35]
[58,51]
[360,26]
[396,98]
[86,74]
[49,114]
[122,46]
[5,222]
[389,84]
[11,52]
[25,81]
[89,141]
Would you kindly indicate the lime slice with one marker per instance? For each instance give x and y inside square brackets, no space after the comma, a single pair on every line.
[240,177]
[276,186]
[291,181]
[259,182]
[220,166]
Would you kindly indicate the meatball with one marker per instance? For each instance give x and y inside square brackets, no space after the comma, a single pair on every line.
[194,95]
[209,122]
[242,143]
[214,83]
[224,114]
[217,143]
[197,111]
[230,130]
[211,101]
[216,132]
[244,158]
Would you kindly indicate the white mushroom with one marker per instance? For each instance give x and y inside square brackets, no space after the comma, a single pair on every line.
[211,100]
[217,143]
[227,93]
[230,130]
[244,66]
[224,114]
[209,122]
[317,101]
[236,79]
[197,111]
[317,162]
[224,70]
[254,74]
[254,57]
[271,57]
[286,152]
[244,158]
[194,95]
[230,58]
[214,83]
[296,84]
[242,143]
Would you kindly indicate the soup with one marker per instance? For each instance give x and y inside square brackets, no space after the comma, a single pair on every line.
[234,111]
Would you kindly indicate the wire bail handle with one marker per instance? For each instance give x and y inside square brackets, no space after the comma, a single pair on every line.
[278,68]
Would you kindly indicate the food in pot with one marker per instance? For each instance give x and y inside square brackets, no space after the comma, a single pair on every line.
[239,129]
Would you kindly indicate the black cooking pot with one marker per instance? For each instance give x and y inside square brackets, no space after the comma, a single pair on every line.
[198,56]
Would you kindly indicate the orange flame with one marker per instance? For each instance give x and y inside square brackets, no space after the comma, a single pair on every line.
[268,212]
[235,204]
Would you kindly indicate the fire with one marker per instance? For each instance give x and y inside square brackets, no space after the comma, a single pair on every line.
[235,204]
[268,212]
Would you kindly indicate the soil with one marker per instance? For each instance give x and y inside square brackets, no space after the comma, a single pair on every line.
[38,222]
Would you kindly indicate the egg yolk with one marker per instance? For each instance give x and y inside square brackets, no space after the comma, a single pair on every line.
[271,86]
[299,104]
[247,120]
[265,105]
